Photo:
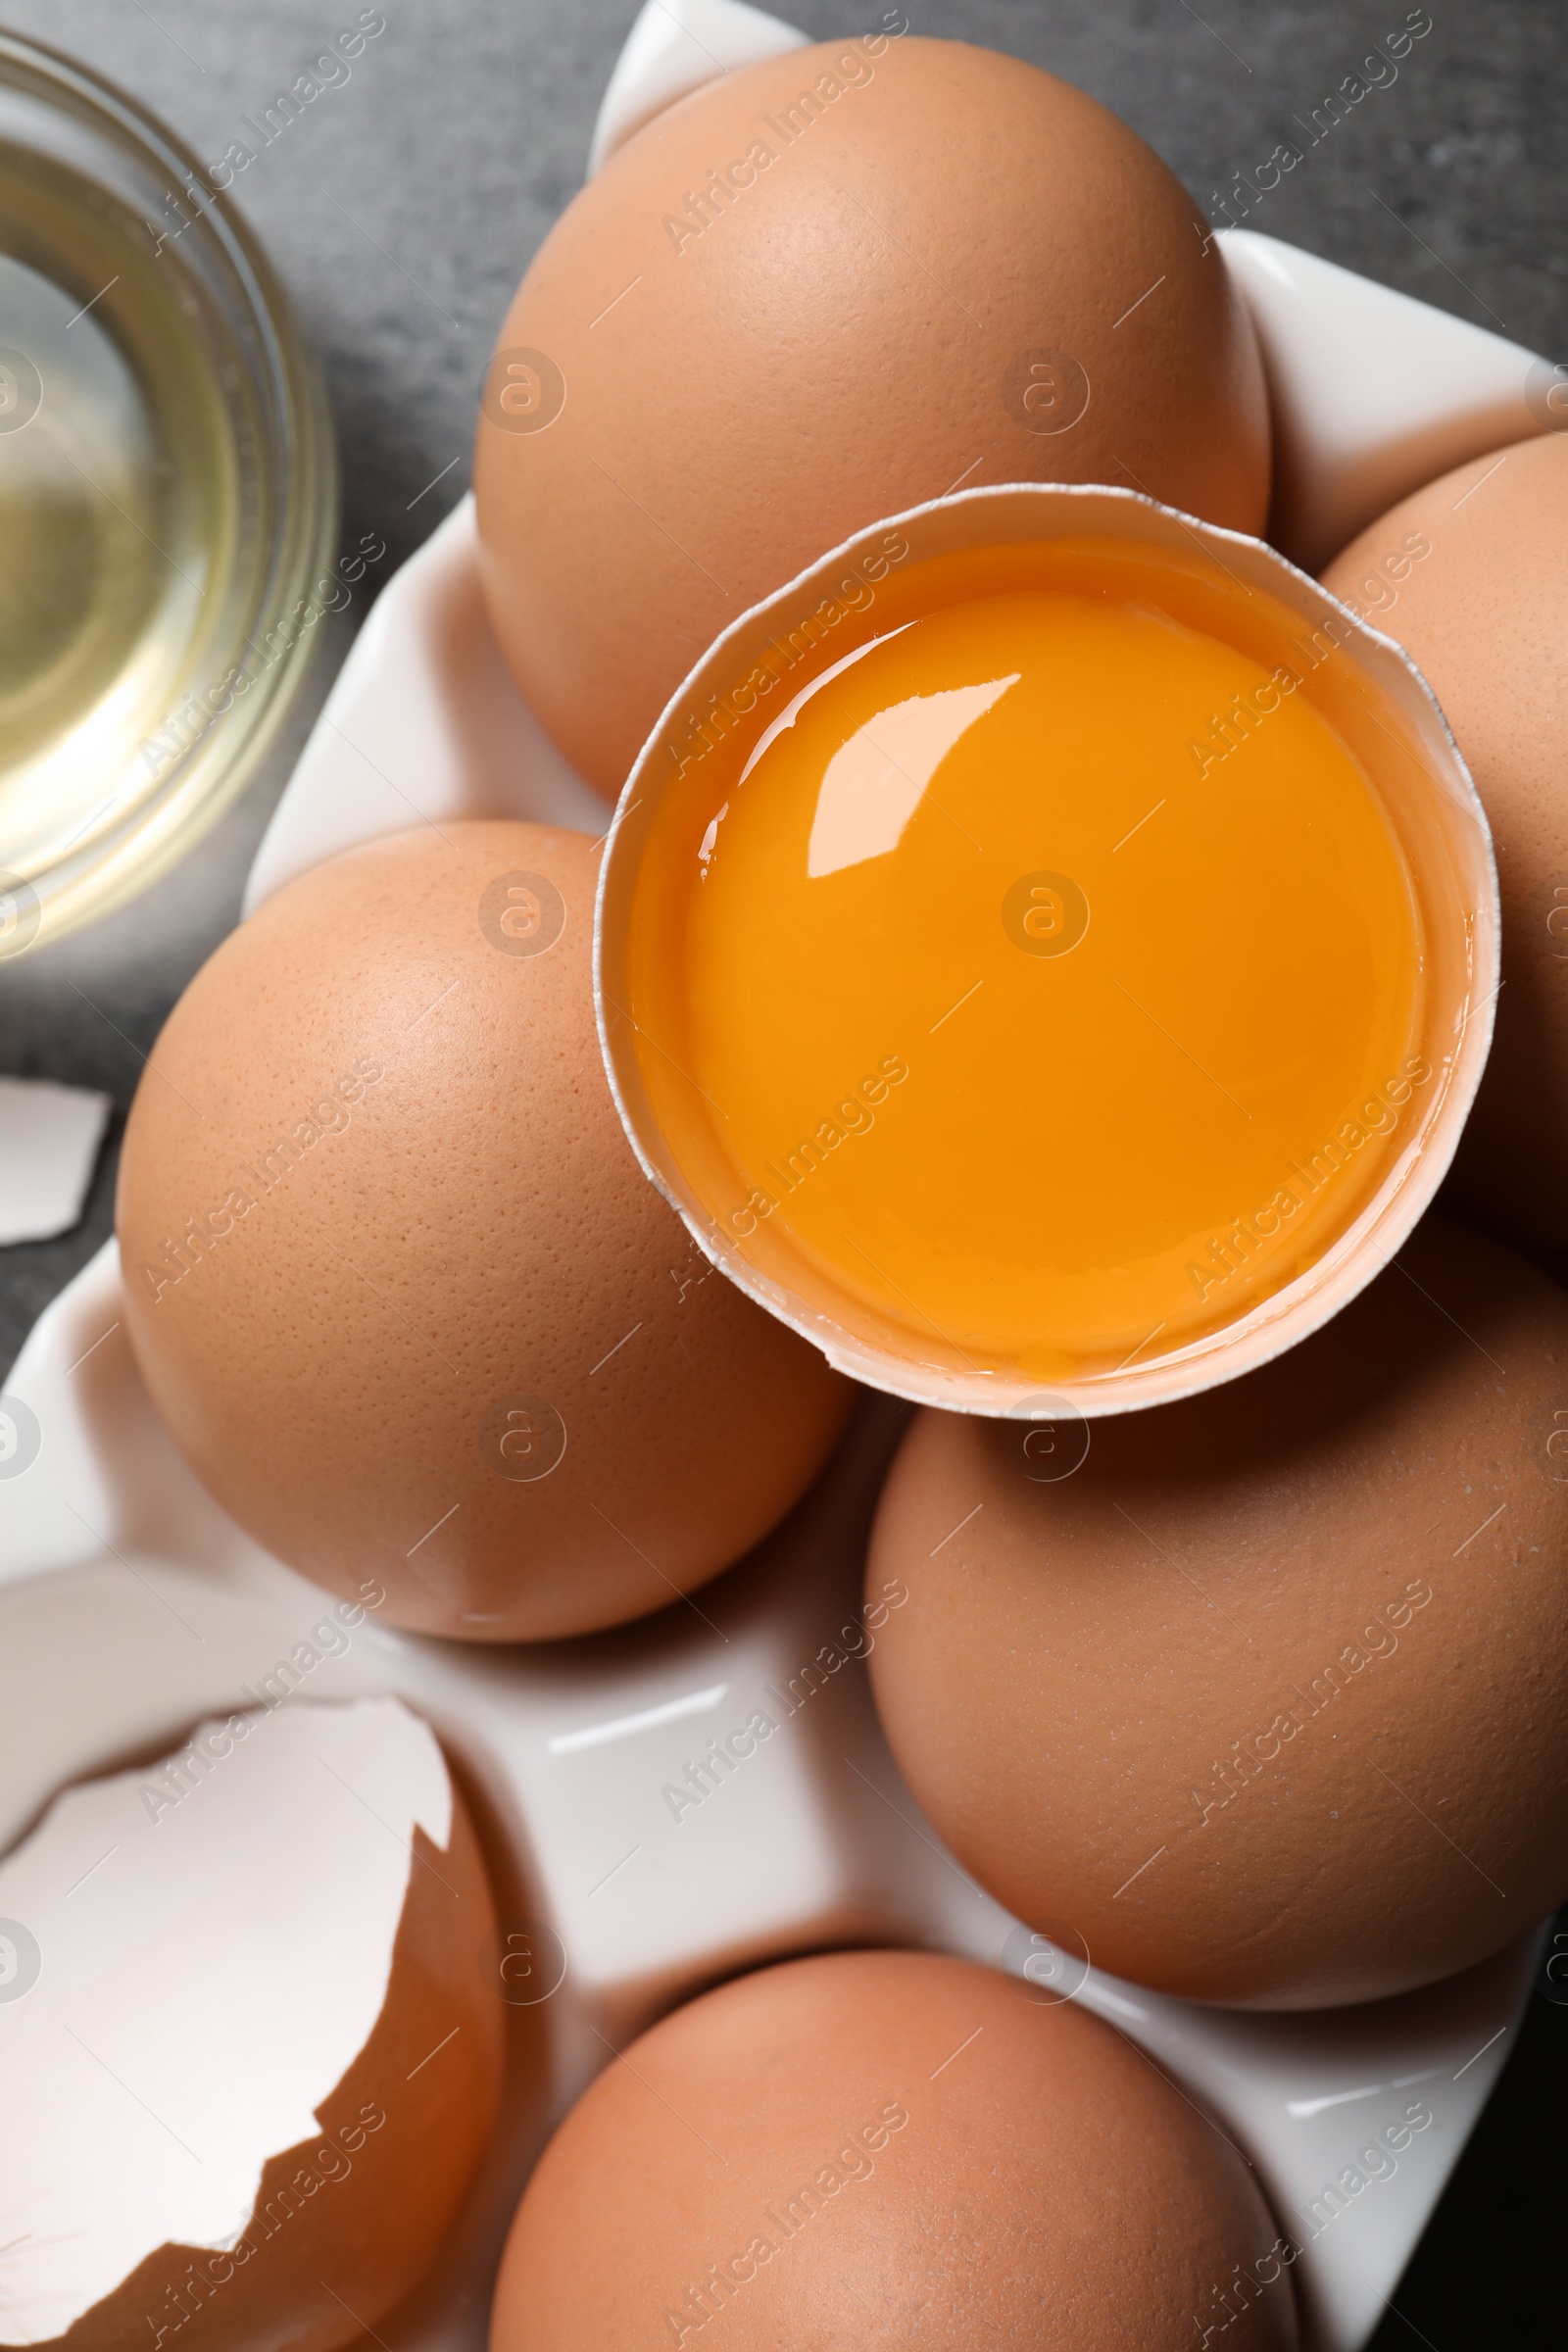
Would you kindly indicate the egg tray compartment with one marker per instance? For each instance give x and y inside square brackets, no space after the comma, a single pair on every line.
[133,1606]
[130,1605]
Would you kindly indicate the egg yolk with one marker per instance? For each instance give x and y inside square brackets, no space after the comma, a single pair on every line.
[1046,977]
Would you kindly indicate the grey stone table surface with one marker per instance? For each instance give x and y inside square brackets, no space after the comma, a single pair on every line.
[401,207]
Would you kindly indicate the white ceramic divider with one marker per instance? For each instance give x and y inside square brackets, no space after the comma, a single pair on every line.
[130,1605]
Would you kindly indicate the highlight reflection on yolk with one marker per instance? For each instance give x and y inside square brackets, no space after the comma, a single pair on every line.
[1036,1007]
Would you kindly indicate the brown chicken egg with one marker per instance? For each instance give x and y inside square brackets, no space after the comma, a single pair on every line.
[1471,576]
[887,2147]
[255,2066]
[1258,1696]
[821,290]
[395,1280]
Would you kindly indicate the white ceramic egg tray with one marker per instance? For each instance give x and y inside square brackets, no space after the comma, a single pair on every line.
[130,1605]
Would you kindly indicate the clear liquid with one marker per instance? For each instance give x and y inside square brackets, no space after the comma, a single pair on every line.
[118,513]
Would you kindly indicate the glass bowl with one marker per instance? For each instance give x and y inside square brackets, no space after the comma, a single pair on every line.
[167,498]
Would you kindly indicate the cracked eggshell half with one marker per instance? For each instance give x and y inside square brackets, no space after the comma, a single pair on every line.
[394,1278]
[1259,1697]
[249,2058]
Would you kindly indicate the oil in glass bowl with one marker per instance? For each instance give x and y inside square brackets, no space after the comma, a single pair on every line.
[167,499]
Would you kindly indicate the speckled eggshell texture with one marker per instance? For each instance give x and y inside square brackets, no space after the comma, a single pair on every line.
[1471,576]
[1262,1702]
[887,2147]
[819,291]
[395,1280]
